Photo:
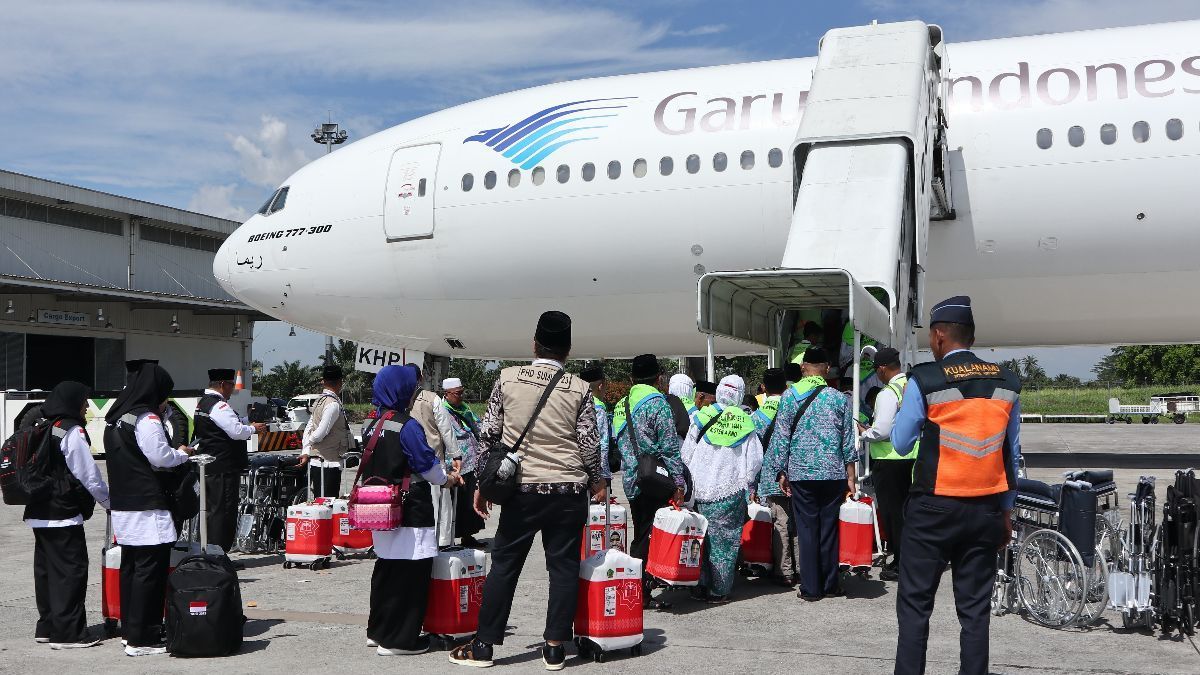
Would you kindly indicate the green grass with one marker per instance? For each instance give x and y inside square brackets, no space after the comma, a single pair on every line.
[1088,401]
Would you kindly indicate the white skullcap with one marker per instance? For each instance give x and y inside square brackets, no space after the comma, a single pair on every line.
[451,383]
[681,385]
[731,390]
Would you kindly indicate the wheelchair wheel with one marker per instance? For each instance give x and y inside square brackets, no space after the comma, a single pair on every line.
[1051,579]
[1108,549]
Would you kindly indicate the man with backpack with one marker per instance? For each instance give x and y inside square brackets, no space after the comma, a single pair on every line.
[62,486]
[812,455]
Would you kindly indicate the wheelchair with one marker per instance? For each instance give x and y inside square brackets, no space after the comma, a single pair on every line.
[1131,573]
[1055,568]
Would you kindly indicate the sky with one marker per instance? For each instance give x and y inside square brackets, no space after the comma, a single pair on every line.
[208,106]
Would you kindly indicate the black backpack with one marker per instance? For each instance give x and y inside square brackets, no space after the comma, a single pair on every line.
[26,475]
[204,608]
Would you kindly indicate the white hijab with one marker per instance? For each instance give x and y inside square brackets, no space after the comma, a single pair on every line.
[731,390]
[682,386]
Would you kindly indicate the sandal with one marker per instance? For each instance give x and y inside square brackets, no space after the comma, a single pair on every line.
[465,655]
[655,603]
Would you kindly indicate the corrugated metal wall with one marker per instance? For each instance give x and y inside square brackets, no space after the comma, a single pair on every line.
[173,269]
[43,250]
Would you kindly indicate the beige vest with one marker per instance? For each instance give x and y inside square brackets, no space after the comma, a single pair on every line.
[550,453]
[422,411]
[337,442]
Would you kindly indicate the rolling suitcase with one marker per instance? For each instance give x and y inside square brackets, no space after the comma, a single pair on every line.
[756,540]
[455,590]
[607,527]
[676,544]
[308,533]
[204,602]
[348,540]
[608,611]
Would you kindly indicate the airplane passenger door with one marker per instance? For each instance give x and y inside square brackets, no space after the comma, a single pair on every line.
[408,206]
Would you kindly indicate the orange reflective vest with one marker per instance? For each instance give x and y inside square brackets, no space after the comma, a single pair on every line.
[965,449]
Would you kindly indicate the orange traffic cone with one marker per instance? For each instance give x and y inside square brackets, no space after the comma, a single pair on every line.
[238,385]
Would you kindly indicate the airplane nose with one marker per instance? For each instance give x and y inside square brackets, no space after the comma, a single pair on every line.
[221,263]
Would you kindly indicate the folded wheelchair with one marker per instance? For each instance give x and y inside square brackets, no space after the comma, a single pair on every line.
[1055,568]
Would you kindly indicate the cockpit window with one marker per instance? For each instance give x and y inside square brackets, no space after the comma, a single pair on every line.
[262,210]
[281,199]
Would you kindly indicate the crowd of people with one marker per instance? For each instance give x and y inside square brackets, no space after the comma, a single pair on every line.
[792,448]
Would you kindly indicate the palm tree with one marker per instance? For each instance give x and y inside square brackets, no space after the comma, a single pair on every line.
[356,387]
[289,379]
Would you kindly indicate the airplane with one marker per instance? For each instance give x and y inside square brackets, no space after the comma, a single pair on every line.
[1072,160]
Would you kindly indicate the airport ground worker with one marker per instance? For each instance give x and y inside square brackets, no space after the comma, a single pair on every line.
[400,578]
[643,426]
[560,465]
[60,560]
[220,432]
[327,435]
[967,416]
[812,455]
[783,538]
[465,423]
[724,457]
[136,448]
[891,472]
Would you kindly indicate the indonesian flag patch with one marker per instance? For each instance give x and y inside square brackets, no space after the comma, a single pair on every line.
[198,608]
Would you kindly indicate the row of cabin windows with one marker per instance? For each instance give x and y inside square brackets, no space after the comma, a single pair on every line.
[640,168]
[1108,134]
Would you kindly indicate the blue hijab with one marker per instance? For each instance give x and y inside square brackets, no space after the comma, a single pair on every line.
[394,388]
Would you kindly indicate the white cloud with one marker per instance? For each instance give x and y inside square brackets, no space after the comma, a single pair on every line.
[699,31]
[271,156]
[217,200]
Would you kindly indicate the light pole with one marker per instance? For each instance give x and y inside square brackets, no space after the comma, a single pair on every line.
[329,135]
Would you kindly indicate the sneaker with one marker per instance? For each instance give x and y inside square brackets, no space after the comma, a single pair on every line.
[554,656]
[372,643]
[421,647]
[144,651]
[475,654]
[82,643]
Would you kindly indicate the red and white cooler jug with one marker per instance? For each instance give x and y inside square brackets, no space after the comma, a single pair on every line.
[309,533]
[345,538]
[856,532]
[756,538]
[456,592]
[593,532]
[676,546]
[609,607]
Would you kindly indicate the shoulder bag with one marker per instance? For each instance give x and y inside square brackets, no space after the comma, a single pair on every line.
[653,479]
[376,503]
[501,474]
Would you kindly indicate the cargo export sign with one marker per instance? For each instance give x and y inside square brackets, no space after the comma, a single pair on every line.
[372,358]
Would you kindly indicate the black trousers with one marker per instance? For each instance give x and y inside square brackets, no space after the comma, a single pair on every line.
[642,509]
[399,594]
[815,505]
[143,590]
[560,519]
[60,576]
[333,480]
[893,480]
[966,534]
[222,495]
[467,523]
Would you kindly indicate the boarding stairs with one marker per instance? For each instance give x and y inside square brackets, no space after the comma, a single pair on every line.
[870,173]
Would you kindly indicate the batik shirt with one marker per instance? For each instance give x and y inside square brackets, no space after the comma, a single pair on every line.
[656,435]
[466,433]
[823,442]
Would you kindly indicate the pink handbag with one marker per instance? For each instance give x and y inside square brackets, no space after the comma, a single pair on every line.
[378,506]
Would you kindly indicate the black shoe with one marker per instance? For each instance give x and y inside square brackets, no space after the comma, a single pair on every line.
[786,582]
[889,574]
[655,603]
[838,592]
[238,565]
[807,598]
[554,656]
[699,593]
[475,654]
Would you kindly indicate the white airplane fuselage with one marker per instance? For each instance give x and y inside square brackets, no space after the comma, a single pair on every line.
[1092,240]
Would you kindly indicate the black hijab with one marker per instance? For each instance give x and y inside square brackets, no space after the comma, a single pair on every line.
[149,388]
[65,402]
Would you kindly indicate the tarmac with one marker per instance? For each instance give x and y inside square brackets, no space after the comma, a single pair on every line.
[302,621]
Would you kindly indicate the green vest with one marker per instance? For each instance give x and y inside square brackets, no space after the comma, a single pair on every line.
[809,383]
[733,427]
[884,449]
[797,355]
[768,408]
[866,367]
[637,395]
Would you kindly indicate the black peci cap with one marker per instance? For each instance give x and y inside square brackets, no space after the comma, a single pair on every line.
[793,372]
[816,355]
[774,379]
[221,375]
[645,367]
[332,373]
[591,375]
[706,387]
[554,331]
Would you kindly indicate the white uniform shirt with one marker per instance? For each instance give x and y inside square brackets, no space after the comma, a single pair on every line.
[78,453]
[314,433]
[886,406]
[154,526]
[227,420]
